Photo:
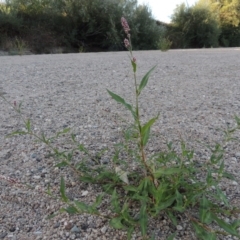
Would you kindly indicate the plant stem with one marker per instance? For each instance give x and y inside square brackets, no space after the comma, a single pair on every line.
[139,126]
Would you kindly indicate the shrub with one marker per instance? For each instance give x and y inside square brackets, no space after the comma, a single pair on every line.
[164,44]
[196,25]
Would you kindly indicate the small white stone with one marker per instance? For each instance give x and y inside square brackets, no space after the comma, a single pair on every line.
[179,227]
[73,184]
[234,183]
[104,229]
[237,154]
[84,193]
[36,177]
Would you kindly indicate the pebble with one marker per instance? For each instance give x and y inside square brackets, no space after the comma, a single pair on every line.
[84,193]
[234,183]
[68,226]
[3,235]
[56,225]
[104,229]
[84,227]
[179,227]
[75,229]
[105,161]
[36,177]
[34,155]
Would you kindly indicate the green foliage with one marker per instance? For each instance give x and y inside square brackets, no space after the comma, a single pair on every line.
[164,44]
[82,25]
[145,31]
[227,13]
[195,27]
[168,182]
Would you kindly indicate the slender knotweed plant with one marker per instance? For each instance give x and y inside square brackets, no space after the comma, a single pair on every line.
[143,131]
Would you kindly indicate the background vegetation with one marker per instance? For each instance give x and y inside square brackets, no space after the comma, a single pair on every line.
[83,25]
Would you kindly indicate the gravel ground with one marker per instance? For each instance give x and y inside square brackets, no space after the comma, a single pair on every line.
[196,92]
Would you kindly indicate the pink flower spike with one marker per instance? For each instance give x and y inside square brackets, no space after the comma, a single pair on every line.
[125,25]
[126,42]
[134,59]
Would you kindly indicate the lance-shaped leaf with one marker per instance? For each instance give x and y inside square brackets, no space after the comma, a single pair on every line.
[227,227]
[134,65]
[119,99]
[202,233]
[145,137]
[145,131]
[81,206]
[167,171]
[172,236]
[117,223]
[70,210]
[205,214]
[62,190]
[28,125]
[143,218]
[144,80]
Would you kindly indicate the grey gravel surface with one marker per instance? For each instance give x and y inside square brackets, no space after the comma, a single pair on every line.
[197,92]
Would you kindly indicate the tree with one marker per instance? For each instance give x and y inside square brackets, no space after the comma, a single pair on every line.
[196,26]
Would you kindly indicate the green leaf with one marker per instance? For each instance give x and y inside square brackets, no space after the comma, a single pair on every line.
[202,233]
[228,175]
[143,218]
[146,137]
[165,204]
[209,178]
[62,190]
[62,164]
[145,80]
[115,202]
[237,119]
[130,188]
[28,125]
[167,171]
[221,196]
[83,207]
[148,125]
[172,218]
[134,65]
[227,227]
[122,101]
[98,200]
[236,224]
[49,190]
[145,131]
[205,214]
[130,232]
[179,206]
[71,210]
[16,133]
[65,130]
[172,236]
[52,216]
[117,223]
